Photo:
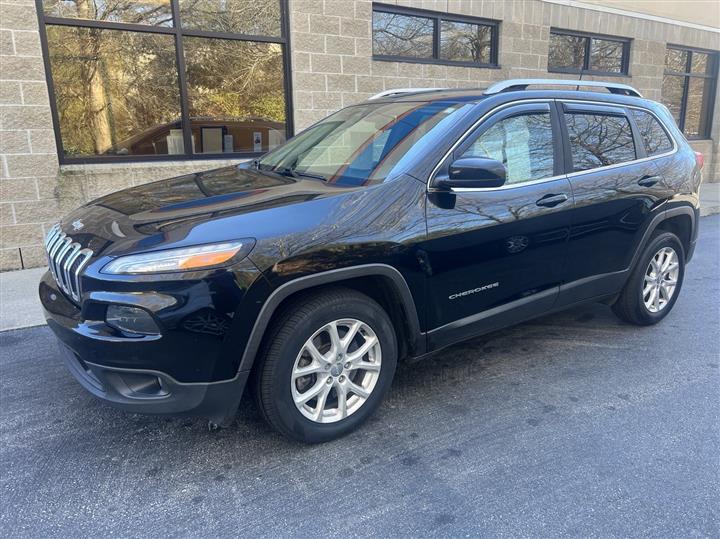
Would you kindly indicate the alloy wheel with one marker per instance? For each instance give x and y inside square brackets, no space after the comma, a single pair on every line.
[661,277]
[336,370]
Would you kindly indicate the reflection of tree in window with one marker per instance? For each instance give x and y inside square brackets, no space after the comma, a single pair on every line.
[688,88]
[111,84]
[654,137]
[598,140]
[233,82]
[606,55]
[570,53]
[402,35]
[232,16]
[465,42]
[566,51]
[154,12]
[524,144]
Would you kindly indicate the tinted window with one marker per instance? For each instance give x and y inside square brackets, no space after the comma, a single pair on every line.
[697,112]
[578,53]
[119,92]
[407,34]
[688,89]
[654,136]
[672,95]
[606,55]
[465,42]
[154,12]
[222,118]
[116,92]
[402,35]
[566,52]
[236,16]
[598,140]
[524,144]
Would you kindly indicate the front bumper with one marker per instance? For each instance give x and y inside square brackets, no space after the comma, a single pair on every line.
[153,392]
[176,372]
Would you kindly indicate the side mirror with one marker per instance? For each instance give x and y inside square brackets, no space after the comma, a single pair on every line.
[474,172]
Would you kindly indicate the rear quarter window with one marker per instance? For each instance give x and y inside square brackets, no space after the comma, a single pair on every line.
[655,138]
[599,140]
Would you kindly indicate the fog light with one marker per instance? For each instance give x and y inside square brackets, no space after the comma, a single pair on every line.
[131,320]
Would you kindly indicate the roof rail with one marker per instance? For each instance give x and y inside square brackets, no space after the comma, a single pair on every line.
[399,91]
[522,84]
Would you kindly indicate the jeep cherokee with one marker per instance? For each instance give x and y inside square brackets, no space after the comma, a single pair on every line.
[389,230]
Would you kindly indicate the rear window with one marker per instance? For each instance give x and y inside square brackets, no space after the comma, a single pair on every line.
[599,140]
[654,137]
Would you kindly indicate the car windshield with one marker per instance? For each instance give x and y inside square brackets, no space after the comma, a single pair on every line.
[362,144]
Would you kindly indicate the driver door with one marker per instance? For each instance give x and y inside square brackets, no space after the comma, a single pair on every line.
[496,256]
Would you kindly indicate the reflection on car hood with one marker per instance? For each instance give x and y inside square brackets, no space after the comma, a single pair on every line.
[163,211]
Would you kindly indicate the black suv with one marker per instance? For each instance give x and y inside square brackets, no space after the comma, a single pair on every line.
[389,230]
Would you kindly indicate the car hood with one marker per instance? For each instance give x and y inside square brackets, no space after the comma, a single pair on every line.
[165,213]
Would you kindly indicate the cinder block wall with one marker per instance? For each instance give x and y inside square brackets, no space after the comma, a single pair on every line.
[332,67]
[29,164]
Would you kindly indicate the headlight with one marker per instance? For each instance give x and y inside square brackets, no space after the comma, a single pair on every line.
[183,259]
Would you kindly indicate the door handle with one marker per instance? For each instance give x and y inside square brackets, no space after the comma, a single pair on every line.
[550,201]
[648,181]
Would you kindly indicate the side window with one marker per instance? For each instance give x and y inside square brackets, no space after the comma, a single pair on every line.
[654,137]
[598,140]
[524,144]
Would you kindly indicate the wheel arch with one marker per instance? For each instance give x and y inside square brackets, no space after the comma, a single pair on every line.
[681,225]
[381,282]
[680,220]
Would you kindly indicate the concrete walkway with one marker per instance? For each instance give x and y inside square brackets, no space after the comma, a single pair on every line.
[20,306]
[710,198]
[19,302]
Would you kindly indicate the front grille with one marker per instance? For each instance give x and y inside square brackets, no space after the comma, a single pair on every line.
[66,259]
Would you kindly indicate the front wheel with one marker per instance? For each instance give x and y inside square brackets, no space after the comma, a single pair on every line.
[655,282]
[328,363]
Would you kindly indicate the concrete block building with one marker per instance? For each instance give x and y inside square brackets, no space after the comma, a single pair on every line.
[96,96]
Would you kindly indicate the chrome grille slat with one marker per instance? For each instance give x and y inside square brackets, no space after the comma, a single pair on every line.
[66,259]
[71,256]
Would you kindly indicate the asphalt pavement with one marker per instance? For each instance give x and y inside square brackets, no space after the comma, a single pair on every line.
[574,424]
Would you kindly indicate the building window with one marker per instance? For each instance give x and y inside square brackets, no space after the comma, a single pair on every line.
[417,35]
[577,52]
[166,79]
[688,89]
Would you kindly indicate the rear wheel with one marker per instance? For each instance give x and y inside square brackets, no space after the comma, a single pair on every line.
[655,282]
[328,363]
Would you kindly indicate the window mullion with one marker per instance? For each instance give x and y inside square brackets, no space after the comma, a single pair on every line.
[182,80]
[436,38]
[586,59]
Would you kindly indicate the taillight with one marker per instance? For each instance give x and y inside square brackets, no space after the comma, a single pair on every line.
[699,160]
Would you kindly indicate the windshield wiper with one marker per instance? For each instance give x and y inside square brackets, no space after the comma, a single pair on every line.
[293,173]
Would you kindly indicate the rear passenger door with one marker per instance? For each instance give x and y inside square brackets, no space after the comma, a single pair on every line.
[617,191]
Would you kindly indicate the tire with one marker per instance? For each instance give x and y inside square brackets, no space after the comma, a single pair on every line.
[309,319]
[632,305]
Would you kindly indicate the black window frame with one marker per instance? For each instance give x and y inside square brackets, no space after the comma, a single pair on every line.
[437,17]
[714,58]
[179,33]
[585,70]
